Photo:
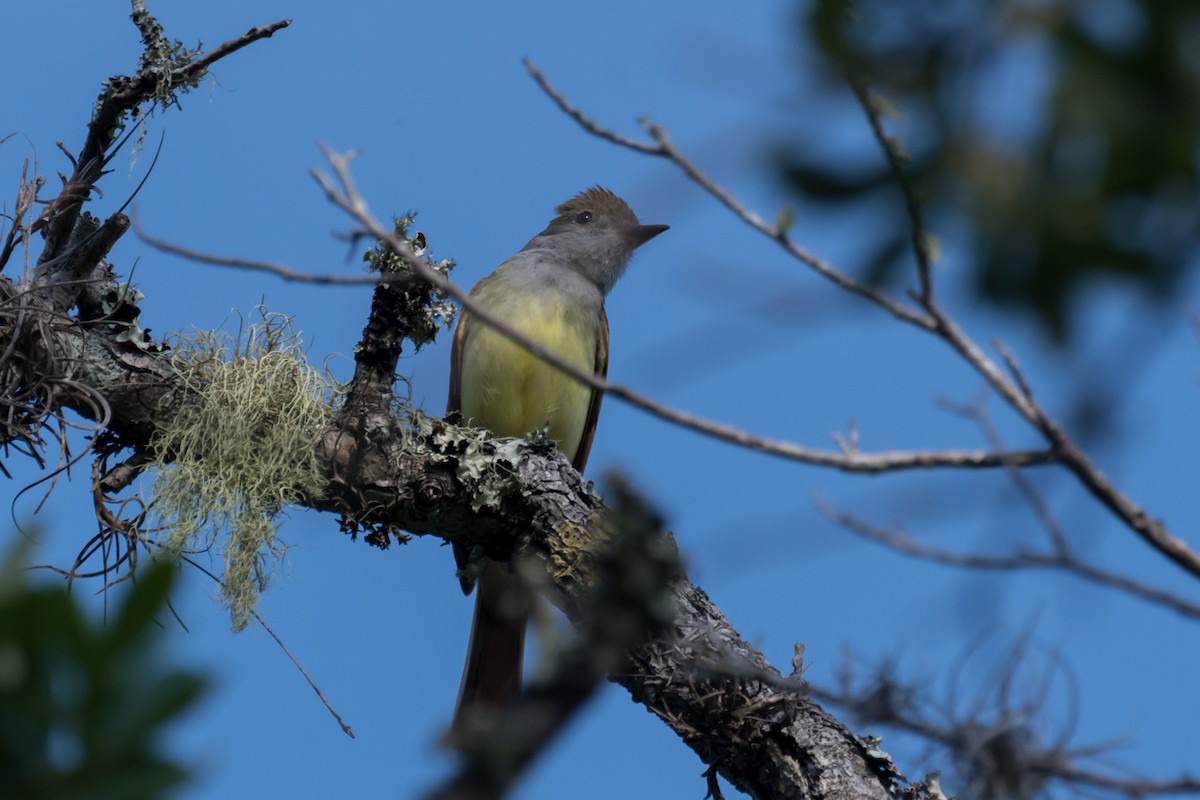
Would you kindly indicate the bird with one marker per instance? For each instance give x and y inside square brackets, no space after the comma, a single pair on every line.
[553,290]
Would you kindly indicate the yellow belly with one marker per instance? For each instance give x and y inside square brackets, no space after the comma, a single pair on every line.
[511,392]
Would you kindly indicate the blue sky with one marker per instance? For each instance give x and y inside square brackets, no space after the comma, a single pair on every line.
[710,317]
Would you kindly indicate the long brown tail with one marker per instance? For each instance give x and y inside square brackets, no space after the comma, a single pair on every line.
[492,675]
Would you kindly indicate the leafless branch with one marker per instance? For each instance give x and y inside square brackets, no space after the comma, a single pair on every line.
[663,148]
[902,542]
[931,318]
[893,151]
[279,270]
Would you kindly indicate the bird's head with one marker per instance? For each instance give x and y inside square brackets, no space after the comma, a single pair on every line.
[595,233]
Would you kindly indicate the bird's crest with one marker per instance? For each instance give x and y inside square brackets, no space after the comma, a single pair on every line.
[606,206]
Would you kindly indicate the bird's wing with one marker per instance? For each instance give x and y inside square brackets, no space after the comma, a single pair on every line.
[593,414]
[454,399]
[462,555]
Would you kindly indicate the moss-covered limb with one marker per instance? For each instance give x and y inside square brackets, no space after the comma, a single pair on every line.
[128,390]
[228,463]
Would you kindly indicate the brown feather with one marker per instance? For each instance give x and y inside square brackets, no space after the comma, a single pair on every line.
[454,399]
[462,555]
[495,652]
[601,202]
[593,414]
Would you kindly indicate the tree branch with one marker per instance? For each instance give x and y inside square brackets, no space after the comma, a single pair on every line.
[663,148]
[340,190]
[931,319]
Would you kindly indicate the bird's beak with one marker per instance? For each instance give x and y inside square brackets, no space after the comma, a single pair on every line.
[637,235]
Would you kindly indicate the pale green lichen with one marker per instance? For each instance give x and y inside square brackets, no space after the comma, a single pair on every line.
[484,463]
[421,310]
[230,463]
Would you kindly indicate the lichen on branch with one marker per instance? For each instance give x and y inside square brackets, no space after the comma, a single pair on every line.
[229,463]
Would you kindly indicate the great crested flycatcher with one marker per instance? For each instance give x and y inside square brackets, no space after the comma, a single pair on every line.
[553,291]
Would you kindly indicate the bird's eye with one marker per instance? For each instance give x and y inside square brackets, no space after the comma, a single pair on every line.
[583,217]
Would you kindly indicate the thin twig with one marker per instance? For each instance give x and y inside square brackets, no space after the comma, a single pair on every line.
[895,155]
[341,723]
[903,543]
[279,270]
[977,413]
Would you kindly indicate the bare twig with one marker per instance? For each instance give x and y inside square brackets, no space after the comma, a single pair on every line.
[901,542]
[977,413]
[279,270]
[896,157]
[296,663]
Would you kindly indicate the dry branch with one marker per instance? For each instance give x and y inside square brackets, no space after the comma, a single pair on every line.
[931,318]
